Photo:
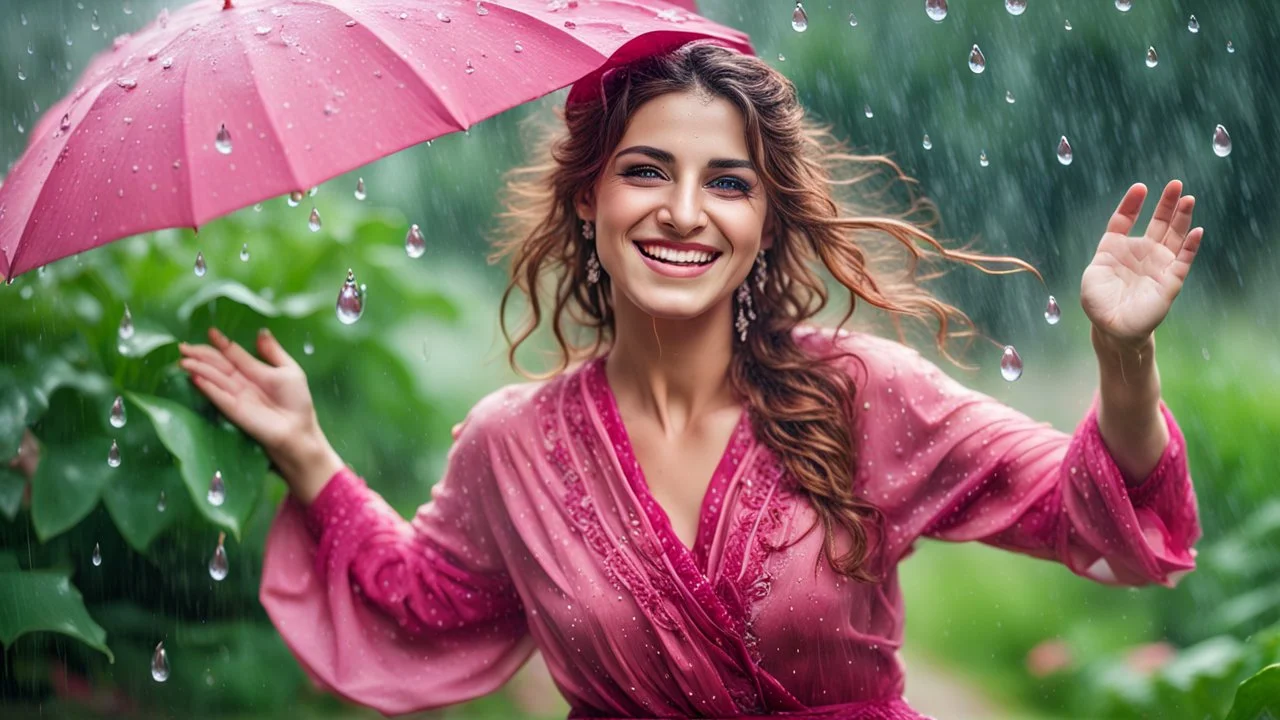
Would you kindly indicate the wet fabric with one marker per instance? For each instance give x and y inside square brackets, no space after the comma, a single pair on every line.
[542,534]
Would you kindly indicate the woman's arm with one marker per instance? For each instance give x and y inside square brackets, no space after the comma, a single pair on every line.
[1129,415]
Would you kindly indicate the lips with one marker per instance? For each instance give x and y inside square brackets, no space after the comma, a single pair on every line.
[678,254]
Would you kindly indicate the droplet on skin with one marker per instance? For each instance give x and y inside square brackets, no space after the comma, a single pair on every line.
[1221,142]
[1015,7]
[1052,313]
[977,61]
[113,455]
[97,555]
[1152,58]
[360,194]
[117,412]
[1010,364]
[936,9]
[200,268]
[160,664]
[313,222]
[217,490]
[414,244]
[218,563]
[1064,151]
[799,19]
[223,141]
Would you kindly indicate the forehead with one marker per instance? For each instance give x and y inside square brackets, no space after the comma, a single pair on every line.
[690,125]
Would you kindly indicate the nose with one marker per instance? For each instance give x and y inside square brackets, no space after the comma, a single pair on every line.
[681,211]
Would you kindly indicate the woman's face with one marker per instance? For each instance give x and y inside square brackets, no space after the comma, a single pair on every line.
[679,210]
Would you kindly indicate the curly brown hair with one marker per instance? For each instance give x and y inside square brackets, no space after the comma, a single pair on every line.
[801,164]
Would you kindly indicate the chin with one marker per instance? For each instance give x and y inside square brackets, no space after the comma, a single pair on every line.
[666,304]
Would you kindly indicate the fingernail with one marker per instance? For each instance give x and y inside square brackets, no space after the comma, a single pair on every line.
[263,332]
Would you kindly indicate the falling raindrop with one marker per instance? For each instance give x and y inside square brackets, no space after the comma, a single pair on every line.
[126,9]
[977,61]
[1193,24]
[126,321]
[853,21]
[160,664]
[782,58]
[257,207]
[200,268]
[360,194]
[217,490]
[982,159]
[21,75]
[94,25]
[223,141]
[1064,151]
[295,198]
[1067,25]
[244,252]
[161,504]
[308,347]
[927,143]
[799,20]
[1152,58]
[414,244]
[312,192]
[128,82]
[866,110]
[1124,5]
[936,9]
[1221,142]
[350,300]
[1010,364]
[1015,7]
[97,555]
[218,563]
[313,222]
[117,413]
[1230,47]
[481,9]
[1052,313]
[113,455]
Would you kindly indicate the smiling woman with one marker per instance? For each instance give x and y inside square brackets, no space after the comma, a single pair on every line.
[645,515]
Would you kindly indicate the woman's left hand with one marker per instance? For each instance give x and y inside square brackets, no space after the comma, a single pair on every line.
[1129,287]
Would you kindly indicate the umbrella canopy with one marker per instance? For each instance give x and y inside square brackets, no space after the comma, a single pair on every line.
[226,103]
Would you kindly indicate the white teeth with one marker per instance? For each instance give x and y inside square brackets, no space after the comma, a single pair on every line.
[678,256]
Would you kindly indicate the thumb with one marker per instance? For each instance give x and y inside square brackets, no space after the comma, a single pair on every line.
[272,351]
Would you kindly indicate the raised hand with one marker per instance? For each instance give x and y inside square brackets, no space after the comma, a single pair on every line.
[268,400]
[1129,287]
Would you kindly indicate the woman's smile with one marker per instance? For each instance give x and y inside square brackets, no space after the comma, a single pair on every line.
[679,260]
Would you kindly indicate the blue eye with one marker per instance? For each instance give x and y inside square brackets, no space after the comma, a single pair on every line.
[639,171]
[737,185]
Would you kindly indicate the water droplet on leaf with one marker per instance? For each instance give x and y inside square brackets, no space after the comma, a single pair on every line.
[853,21]
[1008,97]
[217,490]
[244,252]
[161,504]
[1230,47]
[1124,5]
[126,321]
[866,110]
[117,412]
[1193,24]
[1010,364]
[927,143]
[308,348]
[982,159]
[1067,25]
[350,300]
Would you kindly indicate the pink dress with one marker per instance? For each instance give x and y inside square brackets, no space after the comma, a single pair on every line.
[542,534]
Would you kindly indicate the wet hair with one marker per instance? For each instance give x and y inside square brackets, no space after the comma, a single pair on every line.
[805,172]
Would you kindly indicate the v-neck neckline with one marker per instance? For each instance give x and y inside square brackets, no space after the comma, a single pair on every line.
[712,505]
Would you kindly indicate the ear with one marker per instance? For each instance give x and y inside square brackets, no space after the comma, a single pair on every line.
[585,205]
[770,230]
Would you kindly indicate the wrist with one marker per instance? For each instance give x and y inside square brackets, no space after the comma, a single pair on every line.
[308,467]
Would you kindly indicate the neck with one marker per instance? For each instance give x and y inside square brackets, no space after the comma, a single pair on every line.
[673,370]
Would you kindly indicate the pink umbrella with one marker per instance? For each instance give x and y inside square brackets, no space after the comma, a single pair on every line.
[225,103]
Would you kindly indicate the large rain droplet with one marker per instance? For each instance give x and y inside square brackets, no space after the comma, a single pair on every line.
[223,141]
[295,198]
[360,194]
[927,144]
[218,563]
[1193,24]
[160,664]
[1152,58]
[977,61]
[1010,364]
[200,268]
[113,455]
[244,252]
[217,490]
[1064,151]
[313,222]
[1221,142]
[350,300]
[414,244]
[126,321]
[936,9]
[1124,5]
[97,555]
[1015,7]
[1052,313]
[799,20]
[117,412]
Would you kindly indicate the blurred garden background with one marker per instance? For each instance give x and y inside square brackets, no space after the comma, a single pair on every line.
[98,565]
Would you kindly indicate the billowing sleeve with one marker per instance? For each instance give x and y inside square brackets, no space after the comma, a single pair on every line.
[947,462]
[393,614]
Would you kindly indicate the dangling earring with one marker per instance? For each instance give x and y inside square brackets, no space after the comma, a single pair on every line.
[746,305]
[588,230]
[593,269]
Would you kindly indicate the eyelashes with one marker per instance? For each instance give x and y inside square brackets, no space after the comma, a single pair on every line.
[735,184]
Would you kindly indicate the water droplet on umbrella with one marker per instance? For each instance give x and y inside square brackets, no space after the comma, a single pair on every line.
[200,268]
[1152,58]
[469,69]
[313,222]
[927,143]
[21,75]
[160,504]
[1193,24]
[1067,25]
[113,455]
[350,300]
[360,194]
[1064,151]
[117,412]
[570,25]
[1015,7]
[853,21]
[982,159]
[1052,313]
[126,321]
[442,17]
[519,47]
[66,122]
[218,563]
[244,252]
[262,30]
[1124,5]
[166,63]
[1221,142]
[295,198]
[936,9]
[866,110]
[97,555]
[1010,364]
[977,61]
[223,141]
[481,9]
[414,244]
[1008,97]
[308,347]
[217,490]
[128,82]
[160,664]
[350,23]
[1230,47]
[799,20]
[405,15]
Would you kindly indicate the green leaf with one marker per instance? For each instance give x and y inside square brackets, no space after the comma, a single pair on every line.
[294,306]
[1258,697]
[68,482]
[147,336]
[12,485]
[201,448]
[132,500]
[14,408]
[44,601]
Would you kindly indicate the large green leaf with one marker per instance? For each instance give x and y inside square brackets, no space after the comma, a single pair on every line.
[68,482]
[44,601]
[15,406]
[147,336]
[24,394]
[202,448]
[1258,697]
[294,306]
[133,500]
[12,485]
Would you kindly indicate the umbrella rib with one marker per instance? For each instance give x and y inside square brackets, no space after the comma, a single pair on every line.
[271,120]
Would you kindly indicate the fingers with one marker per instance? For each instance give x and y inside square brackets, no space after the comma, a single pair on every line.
[223,400]
[1186,254]
[1165,210]
[456,431]
[209,356]
[247,364]
[272,351]
[1176,235]
[215,377]
[1126,213]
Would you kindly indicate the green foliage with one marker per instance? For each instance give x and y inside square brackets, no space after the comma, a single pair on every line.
[43,601]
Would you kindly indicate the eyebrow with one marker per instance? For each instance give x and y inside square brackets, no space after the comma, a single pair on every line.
[663,156]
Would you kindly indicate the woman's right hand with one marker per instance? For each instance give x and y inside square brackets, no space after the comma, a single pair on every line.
[268,400]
